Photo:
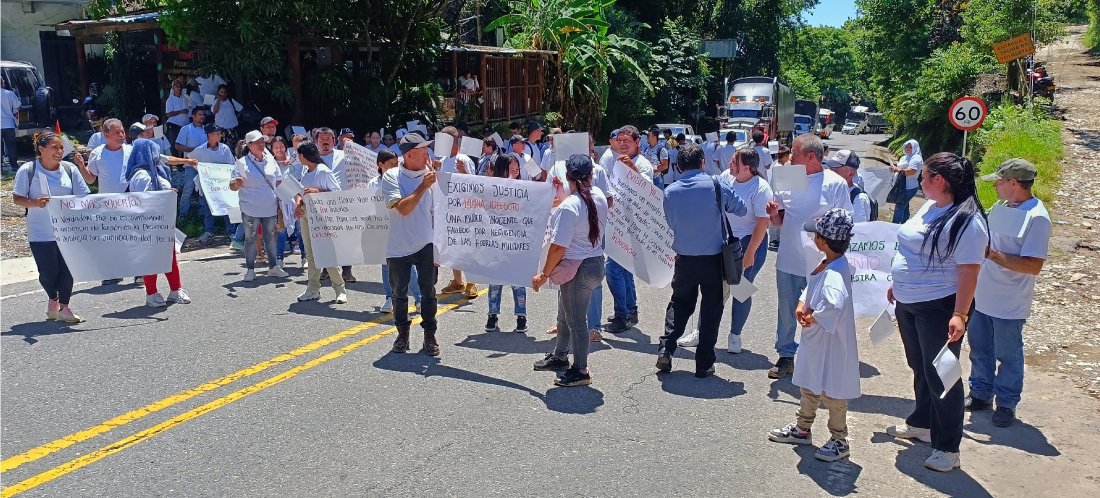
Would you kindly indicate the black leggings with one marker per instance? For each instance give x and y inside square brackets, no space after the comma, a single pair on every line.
[53,273]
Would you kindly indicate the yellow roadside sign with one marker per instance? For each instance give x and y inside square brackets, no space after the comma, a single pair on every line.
[1014,48]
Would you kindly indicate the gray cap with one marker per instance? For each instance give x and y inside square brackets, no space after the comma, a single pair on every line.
[1013,169]
[413,141]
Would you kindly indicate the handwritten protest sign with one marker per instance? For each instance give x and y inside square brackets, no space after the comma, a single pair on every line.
[870,254]
[491,227]
[639,239]
[348,227]
[360,166]
[214,181]
[94,230]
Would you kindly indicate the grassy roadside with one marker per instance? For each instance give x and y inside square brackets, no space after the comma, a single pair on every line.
[1016,131]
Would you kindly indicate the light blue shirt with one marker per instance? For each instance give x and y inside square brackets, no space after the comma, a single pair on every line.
[9,109]
[191,136]
[691,211]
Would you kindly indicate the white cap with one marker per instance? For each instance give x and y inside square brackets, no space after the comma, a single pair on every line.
[253,136]
[147,117]
[401,132]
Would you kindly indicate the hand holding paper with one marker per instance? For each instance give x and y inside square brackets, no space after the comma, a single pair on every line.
[882,329]
[948,367]
[443,144]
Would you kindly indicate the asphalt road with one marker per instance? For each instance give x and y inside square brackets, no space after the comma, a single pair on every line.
[247,393]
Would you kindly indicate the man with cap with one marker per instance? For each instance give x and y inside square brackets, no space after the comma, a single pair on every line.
[846,164]
[175,110]
[268,127]
[345,134]
[389,143]
[692,213]
[213,151]
[619,280]
[1006,282]
[408,193]
[150,121]
[533,147]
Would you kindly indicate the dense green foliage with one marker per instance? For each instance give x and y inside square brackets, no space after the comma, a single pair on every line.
[1018,131]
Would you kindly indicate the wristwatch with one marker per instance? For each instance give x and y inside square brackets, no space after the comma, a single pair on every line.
[965,318]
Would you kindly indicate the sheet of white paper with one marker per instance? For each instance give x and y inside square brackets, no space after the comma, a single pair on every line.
[288,189]
[773,147]
[411,125]
[948,368]
[567,144]
[1007,221]
[68,146]
[180,237]
[743,290]
[470,146]
[422,128]
[882,329]
[791,178]
[158,132]
[533,169]
[442,145]
[208,99]
[298,130]
[712,136]
[496,138]
[234,213]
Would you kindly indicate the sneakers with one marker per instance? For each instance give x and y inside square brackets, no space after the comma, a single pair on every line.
[690,340]
[521,324]
[279,263]
[309,295]
[790,434]
[342,298]
[942,461]
[387,306]
[617,325]
[908,432]
[551,363]
[155,301]
[206,237]
[973,404]
[236,245]
[632,318]
[834,450]
[140,282]
[67,315]
[491,324]
[431,346]
[664,363]
[52,308]
[471,291]
[296,250]
[783,367]
[734,344]
[277,272]
[572,378]
[250,275]
[1003,417]
[401,344]
[179,296]
[452,288]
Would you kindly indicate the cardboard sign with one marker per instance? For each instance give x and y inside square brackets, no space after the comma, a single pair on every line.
[349,227]
[68,146]
[158,132]
[948,368]
[289,189]
[234,213]
[180,239]
[360,166]
[208,99]
[214,181]
[712,136]
[1014,48]
[743,290]
[882,329]
[299,130]
[638,237]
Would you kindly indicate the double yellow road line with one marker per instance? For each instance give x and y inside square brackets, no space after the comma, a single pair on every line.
[121,420]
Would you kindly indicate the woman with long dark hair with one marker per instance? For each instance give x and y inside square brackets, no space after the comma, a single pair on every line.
[506,166]
[317,178]
[935,272]
[35,182]
[576,261]
[750,184]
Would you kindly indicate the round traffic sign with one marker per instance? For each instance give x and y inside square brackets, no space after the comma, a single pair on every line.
[967,113]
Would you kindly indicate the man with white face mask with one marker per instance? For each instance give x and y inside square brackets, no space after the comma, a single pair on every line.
[408,194]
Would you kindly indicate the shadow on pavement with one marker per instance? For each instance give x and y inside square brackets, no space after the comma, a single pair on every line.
[910,462]
[28,331]
[1021,435]
[685,384]
[507,342]
[45,328]
[836,478]
[326,307]
[100,290]
[574,400]
[867,403]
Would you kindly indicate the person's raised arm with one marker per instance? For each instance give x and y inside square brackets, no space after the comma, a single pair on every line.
[407,204]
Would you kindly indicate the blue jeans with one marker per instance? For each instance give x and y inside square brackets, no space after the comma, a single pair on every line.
[740,311]
[8,135]
[252,227]
[238,234]
[519,299]
[280,244]
[573,304]
[992,341]
[189,176]
[414,288]
[621,283]
[901,210]
[595,308]
[790,288]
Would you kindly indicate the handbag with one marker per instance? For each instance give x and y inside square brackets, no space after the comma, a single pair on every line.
[733,258]
[565,271]
[897,190]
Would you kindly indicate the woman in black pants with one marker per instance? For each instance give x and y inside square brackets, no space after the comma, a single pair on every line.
[935,272]
[35,183]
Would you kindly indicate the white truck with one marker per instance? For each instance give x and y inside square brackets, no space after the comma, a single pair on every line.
[856,121]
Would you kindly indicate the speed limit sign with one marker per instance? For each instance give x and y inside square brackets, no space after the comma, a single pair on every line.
[967,113]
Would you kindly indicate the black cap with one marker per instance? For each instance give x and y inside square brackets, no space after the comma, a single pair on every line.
[516,139]
[578,166]
[346,131]
[212,128]
[413,141]
[532,126]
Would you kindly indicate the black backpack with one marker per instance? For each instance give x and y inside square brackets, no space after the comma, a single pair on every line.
[855,191]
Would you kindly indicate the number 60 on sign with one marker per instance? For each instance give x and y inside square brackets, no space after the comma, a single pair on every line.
[968,113]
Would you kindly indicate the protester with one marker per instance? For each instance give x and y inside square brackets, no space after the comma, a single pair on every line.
[176,108]
[1002,300]
[35,183]
[488,150]
[107,166]
[672,143]
[723,154]
[374,141]
[150,121]
[845,163]
[194,134]
[209,84]
[408,193]
[828,361]
[254,180]
[790,211]
[387,160]
[268,128]
[657,156]
[279,150]
[330,155]
[534,147]
[97,138]
[213,152]
[457,162]
[514,128]
[911,163]
[575,260]
[695,216]
[672,174]
[225,111]
[346,134]
[782,159]
[390,143]
[761,147]
[9,112]
[548,155]
[318,178]
[506,166]
[619,280]
[935,273]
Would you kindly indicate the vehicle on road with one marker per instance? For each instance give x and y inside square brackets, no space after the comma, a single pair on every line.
[805,117]
[876,122]
[759,103]
[37,109]
[743,137]
[678,128]
[825,122]
[856,120]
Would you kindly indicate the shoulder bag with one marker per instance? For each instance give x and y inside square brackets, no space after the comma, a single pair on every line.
[733,258]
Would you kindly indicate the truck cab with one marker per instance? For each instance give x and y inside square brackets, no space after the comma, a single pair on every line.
[825,122]
[36,110]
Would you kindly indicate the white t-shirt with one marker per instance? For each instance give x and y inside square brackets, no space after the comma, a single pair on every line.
[174,104]
[9,108]
[191,136]
[321,178]
[722,157]
[599,178]
[209,86]
[765,156]
[916,279]
[219,155]
[1003,293]
[96,140]
[569,226]
[109,166]
[643,164]
[408,233]
[911,162]
[335,162]
[756,193]
[257,195]
[60,182]
[861,207]
[226,117]
[194,99]
[536,151]
[825,190]
[828,357]
[467,83]
[450,164]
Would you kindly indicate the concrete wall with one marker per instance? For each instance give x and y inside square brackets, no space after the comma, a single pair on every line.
[19,31]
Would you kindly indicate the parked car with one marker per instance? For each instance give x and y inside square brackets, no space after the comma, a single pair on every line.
[743,137]
[37,110]
[678,128]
